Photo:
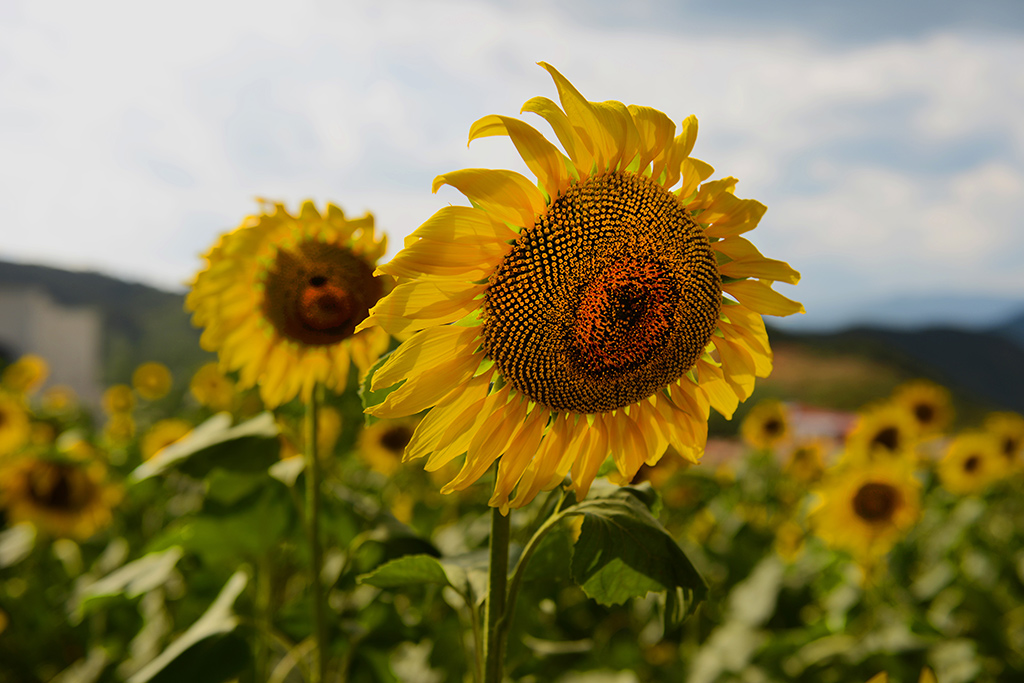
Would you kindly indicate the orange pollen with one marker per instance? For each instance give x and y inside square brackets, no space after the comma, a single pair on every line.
[323,305]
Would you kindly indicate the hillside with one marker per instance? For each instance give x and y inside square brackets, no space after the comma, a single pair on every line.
[140,323]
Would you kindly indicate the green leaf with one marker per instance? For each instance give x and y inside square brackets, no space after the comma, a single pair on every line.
[370,397]
[132,580]
[190,656]
[467,574]
[246,447]
[623,552]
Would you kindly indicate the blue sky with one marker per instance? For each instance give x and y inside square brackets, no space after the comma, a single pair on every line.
[886,138]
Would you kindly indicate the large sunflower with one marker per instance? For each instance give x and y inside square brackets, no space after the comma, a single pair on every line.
[883,431]
[281,296]
[61,497]
[972,462]
[866,509]
[602,310]
[930,405]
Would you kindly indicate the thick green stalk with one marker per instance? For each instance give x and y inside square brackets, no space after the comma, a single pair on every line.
[497,585]
[319,663]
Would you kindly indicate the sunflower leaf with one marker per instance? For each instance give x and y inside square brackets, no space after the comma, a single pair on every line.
[466,574]
[246,447]
[624,552]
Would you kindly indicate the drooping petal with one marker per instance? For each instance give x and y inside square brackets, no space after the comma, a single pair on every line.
[543,158]
[425,350]
[506,195]
[488,443]
[458,405]
[419,304]
[515,459]
[760,297]
[591,449]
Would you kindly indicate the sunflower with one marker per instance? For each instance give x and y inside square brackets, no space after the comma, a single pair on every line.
[867,508]
[152,380]
[766,425]
[63,498]
[806,462]
[1008,428]
[118,399]
[972,462]
[15,428]
[59,400]
[930,405]
[598,311]
[882,431]
[382,444]
[119,429]
[281,296]
[211,388]
[25,374]
[161,435]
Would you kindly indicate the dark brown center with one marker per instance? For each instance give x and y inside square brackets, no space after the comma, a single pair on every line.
[773,427]
[924,412]
[876,502]
[1009,447]
[888,438]
[60,487]
[317,293]
[396,438]
[971,464]
[613,293]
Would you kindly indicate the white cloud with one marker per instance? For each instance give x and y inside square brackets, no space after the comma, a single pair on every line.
[134,132]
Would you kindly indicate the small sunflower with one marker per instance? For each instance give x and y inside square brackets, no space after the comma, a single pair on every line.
[766,425]
[118,399]
[119,429]
[382,444]
[972,462]
[882,431]
[15,427]
[1008,428]
[281,296]
[789,541]
[806,462]
[601,310]
[211,388]
[867,508]
[69,499]
[930,405]
[59,400]
[161,435]
[25,374]
[152,381]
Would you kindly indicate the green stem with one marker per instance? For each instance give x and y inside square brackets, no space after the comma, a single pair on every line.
[263,618]
[494,645]
[318,667]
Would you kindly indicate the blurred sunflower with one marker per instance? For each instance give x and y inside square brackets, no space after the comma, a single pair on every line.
[62,498]
[281,296]
[597,311]
[882,431]
[152,380]
[766,425]
[15,428]
[382,444]
[25,374]
[211,388]
[789,541]
[930,405]
[118,399]
[161,435]
[119,429]
[1008,428]
[972,462]
[866,509]
[806,462]
[59,400]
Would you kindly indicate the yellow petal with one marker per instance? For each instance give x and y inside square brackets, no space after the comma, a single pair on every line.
[589,127]
[743,215]
[622,131]
[671,164]
[464,225]
[581,156]
[456,439]
[541,470]
[425,350]
[542,158]
[489,443]
[694,172]
[455,407]
[520,452]
[759,296]
[712,381]
[738,367]
[414,305]
[426,388]
[589,449]
[505,195]
[747,261]
[656,131]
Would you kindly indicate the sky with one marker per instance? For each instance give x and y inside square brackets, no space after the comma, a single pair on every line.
[886,138]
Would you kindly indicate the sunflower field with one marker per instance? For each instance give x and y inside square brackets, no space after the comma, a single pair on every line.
[488,459]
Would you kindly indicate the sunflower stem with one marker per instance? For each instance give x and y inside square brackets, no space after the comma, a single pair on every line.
[497,586]
[319,660]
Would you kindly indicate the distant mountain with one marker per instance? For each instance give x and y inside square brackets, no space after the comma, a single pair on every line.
[140,323]
[983,367]
[1012,329]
